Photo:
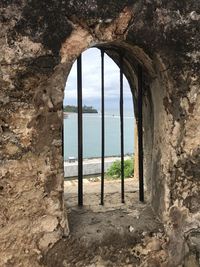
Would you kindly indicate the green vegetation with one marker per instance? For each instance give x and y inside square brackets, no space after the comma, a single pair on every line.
[74,109]
[114,172]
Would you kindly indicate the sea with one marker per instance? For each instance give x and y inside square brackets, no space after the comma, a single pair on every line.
[92,135]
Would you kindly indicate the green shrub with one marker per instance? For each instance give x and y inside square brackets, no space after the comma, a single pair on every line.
[114,170]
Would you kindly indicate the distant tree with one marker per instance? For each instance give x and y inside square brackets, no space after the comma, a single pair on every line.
[86,109]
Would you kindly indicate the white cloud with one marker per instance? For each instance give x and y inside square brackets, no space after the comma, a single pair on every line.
[91,71]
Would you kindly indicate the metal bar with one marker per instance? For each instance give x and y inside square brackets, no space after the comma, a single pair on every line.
[102,128]
[122,127]
[80,131]
[62,133]
[140,135]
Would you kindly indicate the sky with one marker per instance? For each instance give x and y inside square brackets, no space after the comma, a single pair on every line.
[91,81]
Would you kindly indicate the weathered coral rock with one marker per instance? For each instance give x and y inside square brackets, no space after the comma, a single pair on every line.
[39,41]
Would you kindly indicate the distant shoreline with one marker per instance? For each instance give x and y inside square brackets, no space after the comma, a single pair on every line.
[85,109]
[97,114]
[91,166]
[107,157]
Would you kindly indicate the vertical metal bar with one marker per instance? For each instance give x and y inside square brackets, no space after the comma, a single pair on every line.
[63,140]
[102,128]
[80,131]
[140,135]
[122,127]
[62,133]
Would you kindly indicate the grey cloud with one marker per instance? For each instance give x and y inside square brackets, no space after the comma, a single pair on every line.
[92,78]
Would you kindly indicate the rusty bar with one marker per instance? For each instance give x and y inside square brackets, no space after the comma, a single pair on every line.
[63,134]
[122,126]
[80,131]
[140,135]
[102,128]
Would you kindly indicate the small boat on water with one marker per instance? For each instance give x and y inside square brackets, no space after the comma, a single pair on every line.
[71,159]
[65,115]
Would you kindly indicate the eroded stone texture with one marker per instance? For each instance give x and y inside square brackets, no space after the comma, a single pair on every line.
[39,41]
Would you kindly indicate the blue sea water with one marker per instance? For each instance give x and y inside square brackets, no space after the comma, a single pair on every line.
[92,135]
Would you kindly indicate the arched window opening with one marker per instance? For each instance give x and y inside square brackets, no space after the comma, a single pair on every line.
[99,140]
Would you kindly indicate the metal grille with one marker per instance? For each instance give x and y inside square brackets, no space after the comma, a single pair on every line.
[139,124]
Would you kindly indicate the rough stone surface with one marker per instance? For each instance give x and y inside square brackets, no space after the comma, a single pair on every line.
[109,235]
[39,41]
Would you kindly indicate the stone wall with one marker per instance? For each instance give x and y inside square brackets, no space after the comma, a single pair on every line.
[39,41]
